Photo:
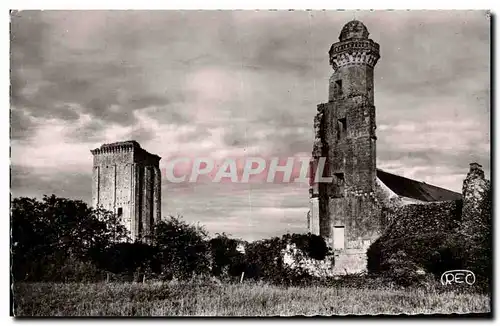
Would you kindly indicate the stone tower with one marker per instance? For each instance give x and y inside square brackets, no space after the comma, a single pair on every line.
[344,210]
[126,179]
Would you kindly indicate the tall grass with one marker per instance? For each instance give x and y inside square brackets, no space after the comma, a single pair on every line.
[247,299]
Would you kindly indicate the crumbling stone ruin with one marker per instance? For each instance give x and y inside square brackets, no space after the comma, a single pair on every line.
[475,191]
[434,235]
[431,223]
[126,180]
[353,210]
[424,217]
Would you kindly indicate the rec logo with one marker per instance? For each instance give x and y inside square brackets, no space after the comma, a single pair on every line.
[458,276]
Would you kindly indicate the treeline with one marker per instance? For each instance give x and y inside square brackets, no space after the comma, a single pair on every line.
[62,240]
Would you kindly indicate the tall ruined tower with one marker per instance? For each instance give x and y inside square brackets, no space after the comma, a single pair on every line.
[344,211]
[126,179]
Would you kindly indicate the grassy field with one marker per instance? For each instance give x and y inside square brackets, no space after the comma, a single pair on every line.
[189,299]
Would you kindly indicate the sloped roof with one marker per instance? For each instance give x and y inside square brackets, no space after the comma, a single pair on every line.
[409,188]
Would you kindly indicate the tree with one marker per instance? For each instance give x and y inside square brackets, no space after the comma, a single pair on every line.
[182,248]
[226,259]
[48,234]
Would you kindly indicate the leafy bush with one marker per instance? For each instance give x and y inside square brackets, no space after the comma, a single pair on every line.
[404,271]
[127,260]
[51,234]
[467,246]
[471,245]
[264,258]
[226,259]
[421,249]
[314,246]
[182,249]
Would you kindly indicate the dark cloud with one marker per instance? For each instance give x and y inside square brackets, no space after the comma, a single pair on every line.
[88,132]
[171,114]
[28,32]
[28,182]
[52,73]
[141,135]
[21,124]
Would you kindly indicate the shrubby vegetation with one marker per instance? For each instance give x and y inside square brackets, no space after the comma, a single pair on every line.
[56,239]
[62,240]
[468,246]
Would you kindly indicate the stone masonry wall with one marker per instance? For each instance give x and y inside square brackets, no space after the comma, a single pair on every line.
[349,214]
[475,190]
[423,218]
[126,180]
[360,215]
[352,153]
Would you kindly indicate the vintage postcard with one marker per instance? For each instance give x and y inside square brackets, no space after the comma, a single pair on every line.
[250,163]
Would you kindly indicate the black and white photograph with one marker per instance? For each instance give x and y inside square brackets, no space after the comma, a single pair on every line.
[250,163]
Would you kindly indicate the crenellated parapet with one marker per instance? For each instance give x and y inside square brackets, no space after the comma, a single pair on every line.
[354,52]
[128,147]
[125,146]
[354,47]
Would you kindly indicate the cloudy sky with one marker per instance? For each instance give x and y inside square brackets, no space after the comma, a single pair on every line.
[238,84]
